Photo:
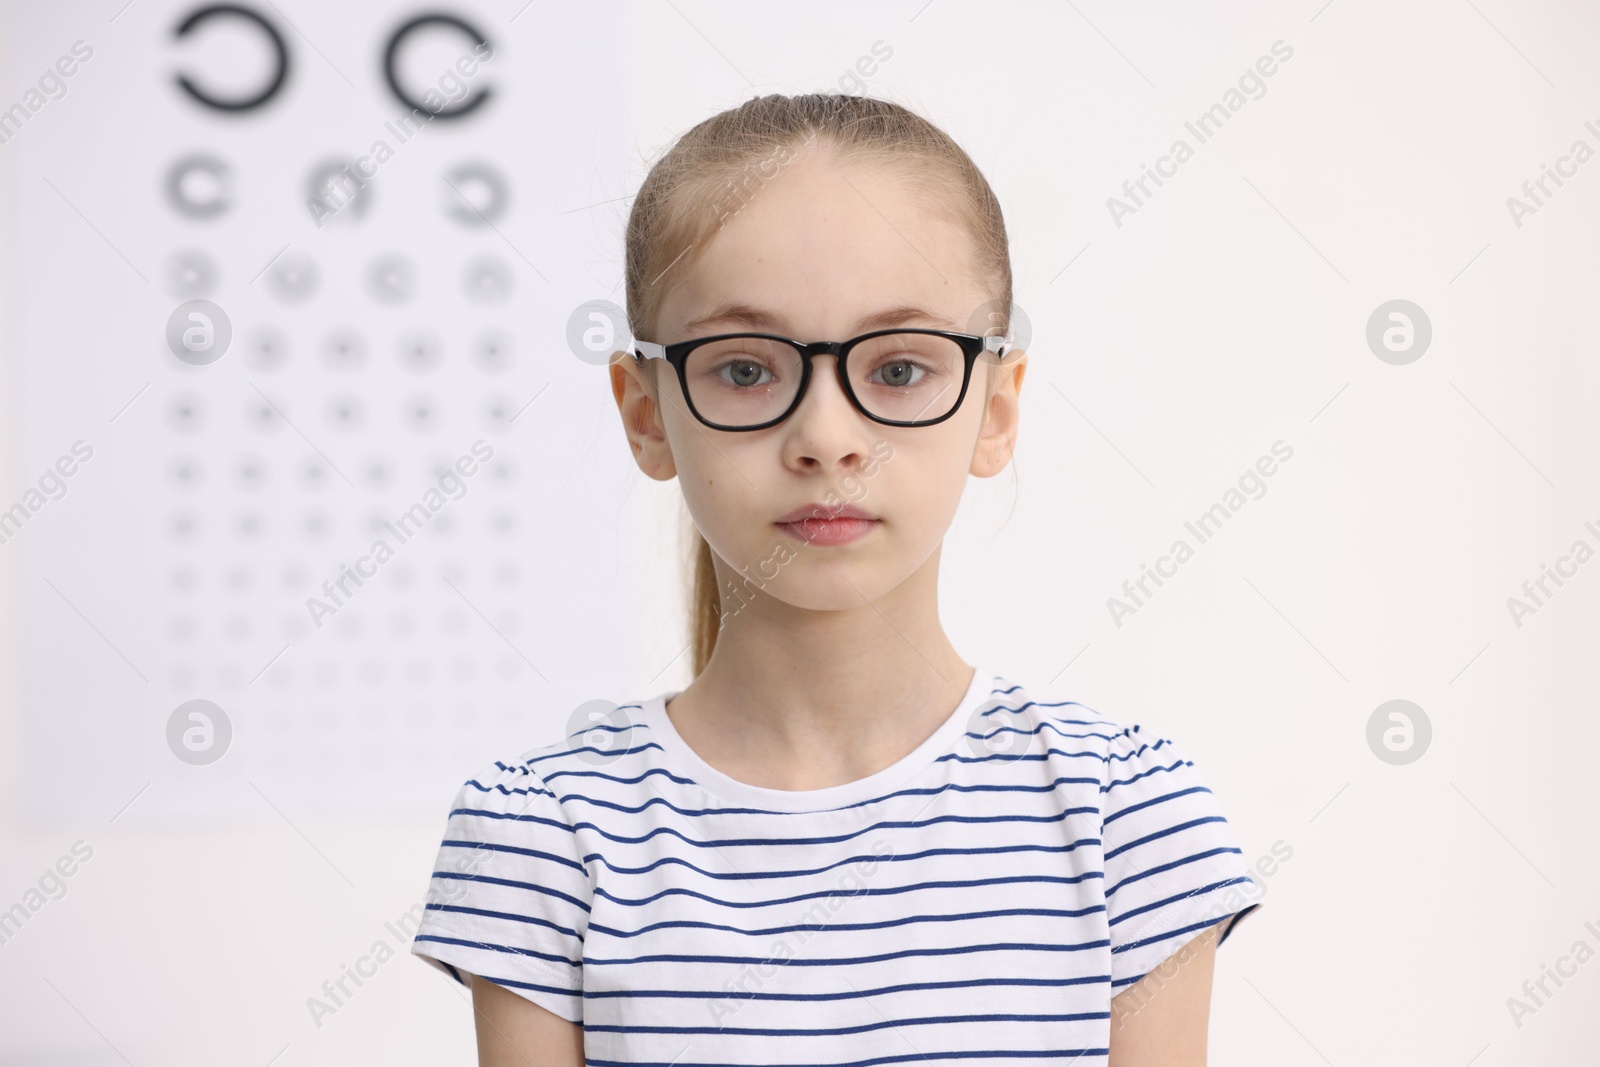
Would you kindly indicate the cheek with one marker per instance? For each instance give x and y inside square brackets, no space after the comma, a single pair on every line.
[722,489]
[921,487]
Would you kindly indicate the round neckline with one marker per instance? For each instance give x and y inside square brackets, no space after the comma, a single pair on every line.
[659,723]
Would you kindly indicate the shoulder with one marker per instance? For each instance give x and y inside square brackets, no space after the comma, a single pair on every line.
[1128,750]
[1137,765]
[1067,727]
[1042,711]
[507,791]
[1132,751]
[1145,769]
[603,758]
[1155,804]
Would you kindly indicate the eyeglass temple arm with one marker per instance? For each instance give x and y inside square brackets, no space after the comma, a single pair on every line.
[997,344]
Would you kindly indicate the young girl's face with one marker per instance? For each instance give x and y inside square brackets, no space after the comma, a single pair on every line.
[824,250]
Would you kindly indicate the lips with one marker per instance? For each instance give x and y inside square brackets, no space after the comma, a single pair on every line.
[820,525]
[826,512]
[829,531]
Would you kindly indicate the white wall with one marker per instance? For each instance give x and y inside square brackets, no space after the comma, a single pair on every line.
[1169,352]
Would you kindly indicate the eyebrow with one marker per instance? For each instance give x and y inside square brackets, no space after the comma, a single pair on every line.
[736,314]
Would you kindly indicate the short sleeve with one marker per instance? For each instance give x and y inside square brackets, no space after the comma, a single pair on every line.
[509,896]
[1172,864]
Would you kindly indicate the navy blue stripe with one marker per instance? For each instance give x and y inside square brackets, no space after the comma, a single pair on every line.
[653,772]
[954,787]
[1052,751]
[948,757]
[1158,769]
[1120,812]
[600,891]
[508,916]
[729,842]
[1233,920]
[923,1057]
[845,994]
[1112,757]
[1052,704]
[515,984]
[491,946]
[1039,728]
[495,846]
[850,961]
[527,791]
[1168,866]
[1154,905]
[1201,925]
[835,1031]
[514,884]
[743,876]
[518,816]
[1159,834]
[648,745]
[674,924]
[491,846]
[642,747]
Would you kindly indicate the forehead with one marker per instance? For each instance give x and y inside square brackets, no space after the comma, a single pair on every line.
[826,249]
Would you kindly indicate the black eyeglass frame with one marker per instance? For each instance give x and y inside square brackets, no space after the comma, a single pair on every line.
[677,354]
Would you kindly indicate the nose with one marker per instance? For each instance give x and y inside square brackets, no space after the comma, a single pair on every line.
[825,394]
[826,430]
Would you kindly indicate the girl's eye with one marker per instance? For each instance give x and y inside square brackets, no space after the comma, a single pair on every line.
[898,373]
[745,374]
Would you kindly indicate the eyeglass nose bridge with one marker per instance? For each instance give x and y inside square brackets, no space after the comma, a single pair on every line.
[823,348]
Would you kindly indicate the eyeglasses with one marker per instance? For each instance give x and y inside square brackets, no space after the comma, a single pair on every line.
[898,377]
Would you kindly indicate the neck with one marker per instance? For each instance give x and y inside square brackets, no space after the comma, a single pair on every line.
[801,698]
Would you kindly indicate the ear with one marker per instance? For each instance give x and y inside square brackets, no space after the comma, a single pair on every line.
[998,435]
[634,387]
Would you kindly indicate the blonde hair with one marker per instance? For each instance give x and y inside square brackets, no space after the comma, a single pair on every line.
[709,172]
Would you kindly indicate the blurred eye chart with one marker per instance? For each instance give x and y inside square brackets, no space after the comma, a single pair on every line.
[292,417]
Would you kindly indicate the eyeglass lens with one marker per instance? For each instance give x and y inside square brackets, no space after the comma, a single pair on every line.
[746,381]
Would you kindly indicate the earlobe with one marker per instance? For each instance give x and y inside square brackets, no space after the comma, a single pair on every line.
[640,422]
[997,439]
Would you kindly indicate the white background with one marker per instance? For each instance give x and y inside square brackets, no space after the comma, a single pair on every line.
[1227,313]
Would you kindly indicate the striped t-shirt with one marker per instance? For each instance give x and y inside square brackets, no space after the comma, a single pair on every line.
[982,898]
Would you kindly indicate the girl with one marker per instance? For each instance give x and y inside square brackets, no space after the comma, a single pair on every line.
[841,843]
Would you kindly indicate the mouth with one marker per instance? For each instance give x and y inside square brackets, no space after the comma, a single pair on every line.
[829,531]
